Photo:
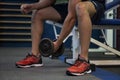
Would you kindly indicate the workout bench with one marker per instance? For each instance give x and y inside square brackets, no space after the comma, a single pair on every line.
[103,24]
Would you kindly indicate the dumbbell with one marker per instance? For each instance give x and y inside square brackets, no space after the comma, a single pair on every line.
[46,48]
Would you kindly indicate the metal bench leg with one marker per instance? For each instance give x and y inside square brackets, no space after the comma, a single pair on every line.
[105,46]
[75,47]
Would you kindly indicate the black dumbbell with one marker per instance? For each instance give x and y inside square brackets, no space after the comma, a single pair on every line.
[46,48]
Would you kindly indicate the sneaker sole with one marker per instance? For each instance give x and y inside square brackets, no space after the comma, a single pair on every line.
[78,74]
[27,66]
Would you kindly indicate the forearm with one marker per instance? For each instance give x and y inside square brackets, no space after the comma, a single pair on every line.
[67,28]
[42,4]
[69,21]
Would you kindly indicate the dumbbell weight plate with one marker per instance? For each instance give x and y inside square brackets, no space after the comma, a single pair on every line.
[46,47]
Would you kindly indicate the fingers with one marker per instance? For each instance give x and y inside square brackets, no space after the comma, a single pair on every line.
[22,8]
[56,47]
[25,8]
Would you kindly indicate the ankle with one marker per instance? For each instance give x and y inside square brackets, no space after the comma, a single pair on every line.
[36,55]
[83,58]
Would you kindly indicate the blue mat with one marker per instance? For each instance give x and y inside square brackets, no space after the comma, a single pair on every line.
[106,75]
[100,73]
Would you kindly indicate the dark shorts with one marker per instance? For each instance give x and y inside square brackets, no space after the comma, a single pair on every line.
[100,8]
[62,9]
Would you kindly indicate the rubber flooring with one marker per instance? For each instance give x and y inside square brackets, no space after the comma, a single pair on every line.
[53,69]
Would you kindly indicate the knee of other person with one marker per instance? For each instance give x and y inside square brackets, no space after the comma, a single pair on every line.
[40,13]
[37,15]
[81,9]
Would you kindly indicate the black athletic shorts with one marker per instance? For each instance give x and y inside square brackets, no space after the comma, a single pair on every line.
[62,9]
[100,8]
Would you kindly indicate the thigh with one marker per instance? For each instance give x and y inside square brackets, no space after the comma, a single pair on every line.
[90,8]
[95,9]
[48,13]
[100,9]
[62,9]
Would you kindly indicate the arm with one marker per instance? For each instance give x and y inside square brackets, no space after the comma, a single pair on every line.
[42,4]
[26,8]
[69,21]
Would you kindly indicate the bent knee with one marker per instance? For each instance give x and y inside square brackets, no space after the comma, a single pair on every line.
[81,9]
[37,15]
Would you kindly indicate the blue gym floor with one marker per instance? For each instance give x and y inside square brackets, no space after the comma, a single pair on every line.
[53,69]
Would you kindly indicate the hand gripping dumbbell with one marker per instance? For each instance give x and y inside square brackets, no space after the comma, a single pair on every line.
[46,48]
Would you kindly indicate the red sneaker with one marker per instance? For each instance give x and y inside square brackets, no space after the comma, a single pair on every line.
[30,61]
[80,67]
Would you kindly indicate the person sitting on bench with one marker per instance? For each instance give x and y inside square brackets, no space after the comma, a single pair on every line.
[83,10]
[41,11]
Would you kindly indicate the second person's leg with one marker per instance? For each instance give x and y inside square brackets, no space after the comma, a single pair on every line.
[39,16]
[38,19]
